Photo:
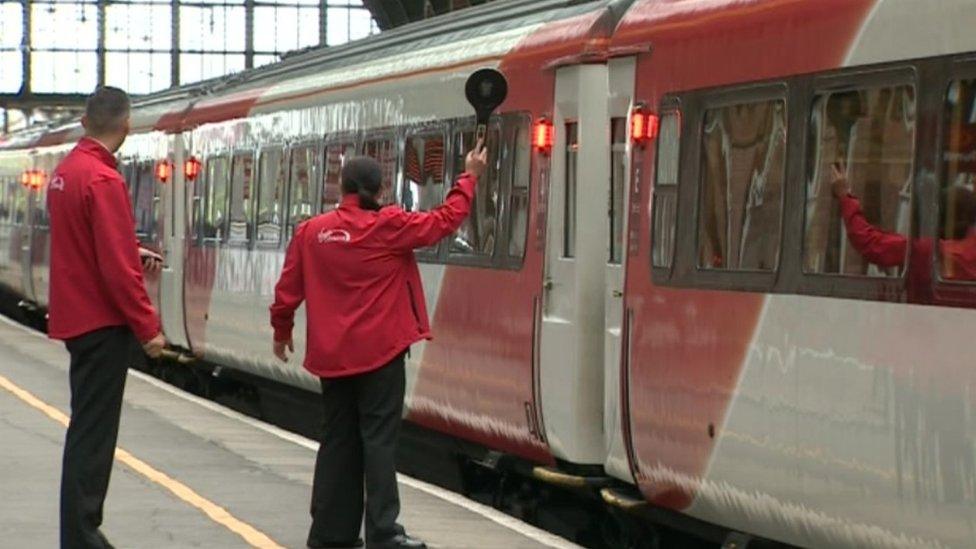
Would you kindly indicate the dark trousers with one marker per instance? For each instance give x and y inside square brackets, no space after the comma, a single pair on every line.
[358,449]
[99,361]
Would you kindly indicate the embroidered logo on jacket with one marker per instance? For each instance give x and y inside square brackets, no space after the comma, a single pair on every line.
[56,184]
[334,235]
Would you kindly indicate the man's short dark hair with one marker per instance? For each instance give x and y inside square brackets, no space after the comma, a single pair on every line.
[106,109]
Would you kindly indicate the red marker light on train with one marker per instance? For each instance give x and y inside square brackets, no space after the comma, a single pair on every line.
[542,137]
[191,168]
[643,125]
[164,171]
[25,178]
[37,179]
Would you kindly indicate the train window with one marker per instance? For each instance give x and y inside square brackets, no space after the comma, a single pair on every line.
[144,206]
[271,190]
[743,167]
[335,158]
[19,205]
[569,202]
[477,234]
[666,190]
[218,168]
[518,220]
[870,133]
[618,187]
[301,192]
[957,203]
[4,200]
[241,198]
[424,175]
[384,151]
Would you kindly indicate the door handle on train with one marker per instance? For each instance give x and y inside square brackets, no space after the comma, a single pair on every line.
[618,293]
[548,284]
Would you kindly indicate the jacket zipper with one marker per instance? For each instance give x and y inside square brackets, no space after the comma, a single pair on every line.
[413,305]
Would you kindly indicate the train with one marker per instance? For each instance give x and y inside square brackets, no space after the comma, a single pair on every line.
[654,285]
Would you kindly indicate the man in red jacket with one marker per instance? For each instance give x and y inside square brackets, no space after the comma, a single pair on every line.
[98,307]
[355,270]
[957,243]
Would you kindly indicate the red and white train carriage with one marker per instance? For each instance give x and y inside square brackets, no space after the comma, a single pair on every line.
[654,283]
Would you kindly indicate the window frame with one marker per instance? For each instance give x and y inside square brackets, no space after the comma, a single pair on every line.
[434,254]
[318,184]
[458,126]
[248,242]
[842,285]
[685,270]
[510,123]
[227,155]
[671,104]
[960,293]
[285,162]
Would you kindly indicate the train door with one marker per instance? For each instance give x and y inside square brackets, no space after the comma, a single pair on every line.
[621,91]
[171,218]
[572,328]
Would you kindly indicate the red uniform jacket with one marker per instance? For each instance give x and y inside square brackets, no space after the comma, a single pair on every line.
[886,249]
[96,274]
[356,270]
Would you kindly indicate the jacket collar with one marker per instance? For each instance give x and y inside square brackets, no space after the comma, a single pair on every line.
[350,200]
[95,148]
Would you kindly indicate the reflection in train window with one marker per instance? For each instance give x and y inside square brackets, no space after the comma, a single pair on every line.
[666,190]
[336,155]
[423,172]
[957,204]
[301,193]
[384,151]
[241,199]
[271,189]
[871,134]
[569,195]
[743,166]
[477,234]
[216,197]
[518,220]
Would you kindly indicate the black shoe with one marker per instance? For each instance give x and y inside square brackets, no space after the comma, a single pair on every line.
[401,541]
[336,545]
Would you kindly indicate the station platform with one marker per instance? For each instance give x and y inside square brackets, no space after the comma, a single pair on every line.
[190,473]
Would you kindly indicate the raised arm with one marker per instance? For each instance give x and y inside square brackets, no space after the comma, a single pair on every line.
[413,230]
[879,247]
[117,255]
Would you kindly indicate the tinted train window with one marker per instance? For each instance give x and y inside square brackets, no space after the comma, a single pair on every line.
[271,190]
[665,220]
[518,221]
[384,151]
[301,193]
[335,158]
[217,171]
[477,234]
[144,205]
[241,203]
[957,205]
[871,133]
[743,166]
[569,198]
[618,187]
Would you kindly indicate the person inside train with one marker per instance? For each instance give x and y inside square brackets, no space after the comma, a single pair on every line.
[957,233]
[98,306]
[354,269]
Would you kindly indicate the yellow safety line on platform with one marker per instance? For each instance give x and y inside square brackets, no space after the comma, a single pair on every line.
[218,514]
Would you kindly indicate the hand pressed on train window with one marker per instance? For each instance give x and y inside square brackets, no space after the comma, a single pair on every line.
[839,185]
[280,349]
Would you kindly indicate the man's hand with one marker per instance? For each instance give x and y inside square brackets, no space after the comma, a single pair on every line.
[838,180]
[151,261]
[477,160]
[280,349]
[154,347]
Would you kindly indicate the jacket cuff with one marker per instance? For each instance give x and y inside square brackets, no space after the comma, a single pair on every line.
[282,334]
[849,206]
[145,333]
